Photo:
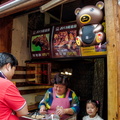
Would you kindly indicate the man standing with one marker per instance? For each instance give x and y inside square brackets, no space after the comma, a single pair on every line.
[12,104]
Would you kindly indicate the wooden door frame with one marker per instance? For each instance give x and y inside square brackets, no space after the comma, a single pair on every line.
[112,17]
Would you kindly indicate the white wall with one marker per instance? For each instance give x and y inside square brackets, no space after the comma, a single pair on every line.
[19,48]
[19,39]
[22,53]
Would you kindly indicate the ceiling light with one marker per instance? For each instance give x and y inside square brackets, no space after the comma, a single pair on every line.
[10,4]
[51,4]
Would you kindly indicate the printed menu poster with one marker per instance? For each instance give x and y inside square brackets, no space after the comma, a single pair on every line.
[64,41]
[40,43]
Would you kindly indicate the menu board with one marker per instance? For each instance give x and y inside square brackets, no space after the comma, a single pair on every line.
[40,43]
[64,41]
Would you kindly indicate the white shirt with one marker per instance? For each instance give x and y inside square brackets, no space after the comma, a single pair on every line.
[97,117]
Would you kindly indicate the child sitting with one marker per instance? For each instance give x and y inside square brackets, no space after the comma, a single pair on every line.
[92,108]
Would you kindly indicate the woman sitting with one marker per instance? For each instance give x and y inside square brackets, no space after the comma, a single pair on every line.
[60,99]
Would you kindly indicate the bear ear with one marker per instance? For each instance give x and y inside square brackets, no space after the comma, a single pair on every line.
[77,11]
[100,5]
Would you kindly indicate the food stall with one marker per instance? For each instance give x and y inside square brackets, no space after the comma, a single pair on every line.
[112,55]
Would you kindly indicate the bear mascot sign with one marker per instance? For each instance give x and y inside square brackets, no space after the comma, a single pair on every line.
[89,20]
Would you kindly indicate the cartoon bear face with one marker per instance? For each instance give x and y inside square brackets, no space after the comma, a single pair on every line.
[89,14]
[88,19]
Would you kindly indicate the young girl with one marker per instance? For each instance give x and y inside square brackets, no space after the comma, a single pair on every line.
[92,108]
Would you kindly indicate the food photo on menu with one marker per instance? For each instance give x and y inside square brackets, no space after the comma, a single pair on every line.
[64,41]
[40,43]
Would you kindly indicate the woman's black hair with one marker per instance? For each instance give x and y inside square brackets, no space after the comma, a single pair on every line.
[61,79]
[6,58]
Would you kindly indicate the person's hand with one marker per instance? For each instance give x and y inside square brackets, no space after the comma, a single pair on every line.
[42,110]
[60,111]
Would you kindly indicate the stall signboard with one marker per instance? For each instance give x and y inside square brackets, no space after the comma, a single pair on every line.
[96,50]
[64,41]
[40,43]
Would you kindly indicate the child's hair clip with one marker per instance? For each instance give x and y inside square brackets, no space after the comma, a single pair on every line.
[97,102]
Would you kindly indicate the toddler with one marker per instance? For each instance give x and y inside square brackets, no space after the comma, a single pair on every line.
[92,108]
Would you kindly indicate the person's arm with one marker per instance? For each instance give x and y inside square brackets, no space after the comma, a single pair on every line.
[75,103]
[42,109]
[23,111]
[44,103]
[15,101]
[68,111]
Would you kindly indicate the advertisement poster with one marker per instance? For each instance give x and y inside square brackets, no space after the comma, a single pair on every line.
[63,41]
[40,43]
